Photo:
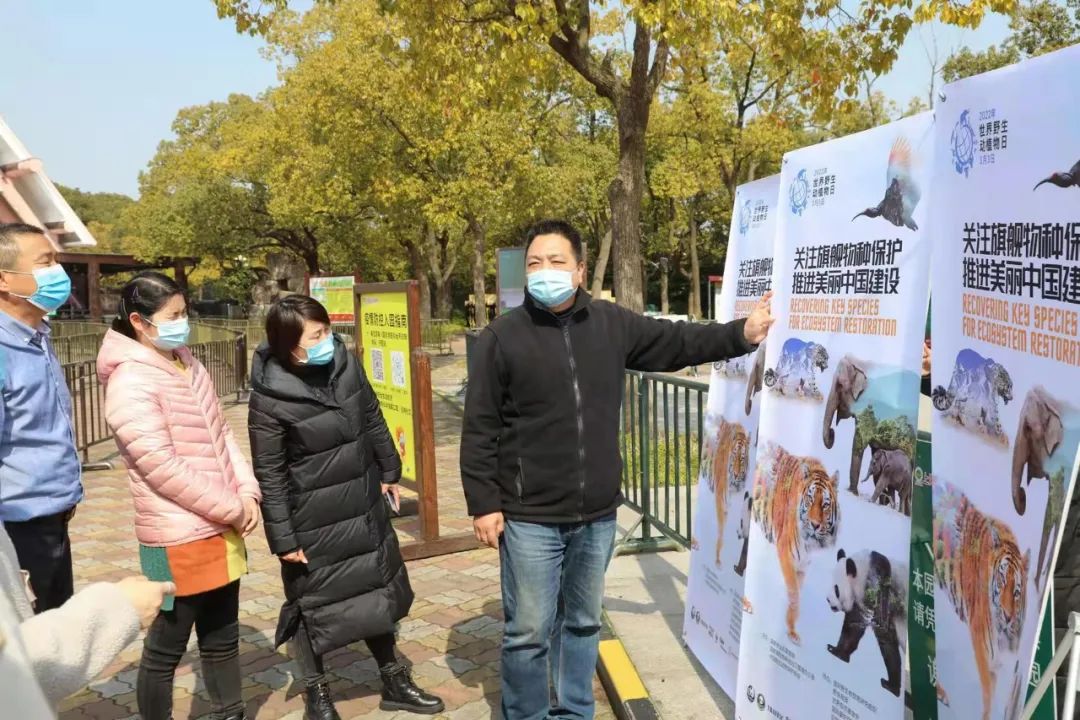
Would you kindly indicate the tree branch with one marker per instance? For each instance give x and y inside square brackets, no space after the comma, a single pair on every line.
[310,235]
[746,85]
[765,91]
[639,63]
[573,47]
[659,67]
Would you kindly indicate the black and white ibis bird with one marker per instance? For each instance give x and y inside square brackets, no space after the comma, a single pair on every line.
[901,192]
[1064,179]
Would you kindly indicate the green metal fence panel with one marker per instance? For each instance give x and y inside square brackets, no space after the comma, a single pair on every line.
[74,340]
[436,336]
[226,359]
[67,328]
[661,425]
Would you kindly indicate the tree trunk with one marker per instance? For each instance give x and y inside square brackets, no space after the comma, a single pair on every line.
[420,274]
[307,240]
[440,296]
[695,265]
[601,264]
[425,294]
[631,98]
[442,270]
[665,304]
[479,270]
[625,194]
[311,261]
[665,266]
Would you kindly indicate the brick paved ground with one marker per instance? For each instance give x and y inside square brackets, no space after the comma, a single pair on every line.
[451,638]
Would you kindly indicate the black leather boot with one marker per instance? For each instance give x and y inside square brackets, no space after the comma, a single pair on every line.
[399,693]
[318,705]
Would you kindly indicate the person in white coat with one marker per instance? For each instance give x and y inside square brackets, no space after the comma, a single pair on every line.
[45,658]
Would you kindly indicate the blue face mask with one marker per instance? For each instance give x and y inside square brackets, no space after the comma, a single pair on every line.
[53,287]
[171,334]
[551,287]
[321,353]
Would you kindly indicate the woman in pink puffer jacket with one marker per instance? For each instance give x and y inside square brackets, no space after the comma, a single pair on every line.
[195,495]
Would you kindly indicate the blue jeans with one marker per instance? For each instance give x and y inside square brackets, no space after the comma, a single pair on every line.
[552,588]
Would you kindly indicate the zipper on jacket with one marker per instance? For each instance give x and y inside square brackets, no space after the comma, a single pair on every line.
[520,481]
[580,417]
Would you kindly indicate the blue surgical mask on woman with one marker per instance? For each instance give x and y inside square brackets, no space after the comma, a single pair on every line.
[53,287]
[321,353]
[171,333]
[551,287]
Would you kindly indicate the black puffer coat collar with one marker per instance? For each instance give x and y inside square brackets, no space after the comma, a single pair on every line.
[270,378]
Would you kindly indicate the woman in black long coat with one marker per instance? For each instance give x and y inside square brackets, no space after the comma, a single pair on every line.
[324,459]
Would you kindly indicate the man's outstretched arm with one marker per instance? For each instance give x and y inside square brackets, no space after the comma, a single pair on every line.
[662,346]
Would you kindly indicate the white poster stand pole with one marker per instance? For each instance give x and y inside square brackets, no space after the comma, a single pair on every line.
[1068,647]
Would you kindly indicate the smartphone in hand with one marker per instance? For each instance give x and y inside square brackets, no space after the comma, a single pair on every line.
[394,505]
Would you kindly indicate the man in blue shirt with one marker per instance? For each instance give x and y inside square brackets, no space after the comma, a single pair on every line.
[40,471]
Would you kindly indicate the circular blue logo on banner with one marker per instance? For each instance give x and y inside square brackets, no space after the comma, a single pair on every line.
[744,217]
[963,145]
[799,194]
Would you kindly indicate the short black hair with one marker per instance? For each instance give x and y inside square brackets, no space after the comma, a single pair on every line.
[146,293]
[285,324]
[556,227]
[9,250]
[19,228]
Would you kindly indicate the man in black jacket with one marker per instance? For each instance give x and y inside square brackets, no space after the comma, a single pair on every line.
[540,459]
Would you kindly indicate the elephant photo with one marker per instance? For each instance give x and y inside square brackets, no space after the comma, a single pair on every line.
[891,470]
[1037,438]
[1052,519]
[850,382]
[753,384]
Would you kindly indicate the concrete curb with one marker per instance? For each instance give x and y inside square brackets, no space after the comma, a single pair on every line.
[627,694]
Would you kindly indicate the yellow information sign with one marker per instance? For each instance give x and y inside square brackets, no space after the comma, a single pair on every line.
[384,334]
[336,295]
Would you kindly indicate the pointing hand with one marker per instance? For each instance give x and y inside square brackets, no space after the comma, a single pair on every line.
[759,321]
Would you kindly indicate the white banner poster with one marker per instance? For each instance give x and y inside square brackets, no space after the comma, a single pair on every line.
[1006,370]
[718,549]
[825,631]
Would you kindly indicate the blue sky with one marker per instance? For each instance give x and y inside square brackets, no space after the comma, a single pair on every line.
[92,86]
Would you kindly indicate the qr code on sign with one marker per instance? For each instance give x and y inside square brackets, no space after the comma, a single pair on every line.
[397,369]
[378,373]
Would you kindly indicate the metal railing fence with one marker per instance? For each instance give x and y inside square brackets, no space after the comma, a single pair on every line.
[662,424]
[74,348]
[67,328]
[436,335]
[225,359]
[224,346]
[255,329]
